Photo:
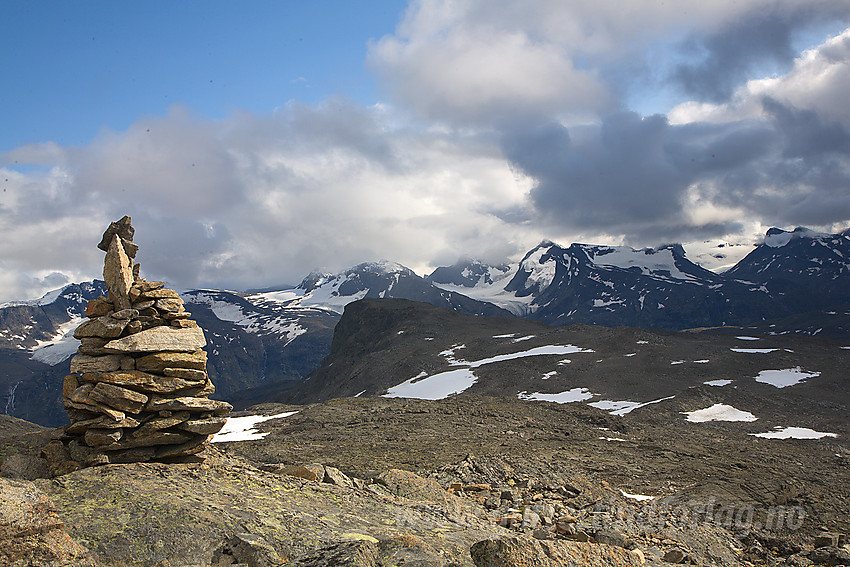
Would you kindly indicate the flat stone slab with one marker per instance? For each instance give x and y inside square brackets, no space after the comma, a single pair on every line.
[160,339]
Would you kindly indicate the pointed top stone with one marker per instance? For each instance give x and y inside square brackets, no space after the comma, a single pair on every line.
[118,274]
[125,231]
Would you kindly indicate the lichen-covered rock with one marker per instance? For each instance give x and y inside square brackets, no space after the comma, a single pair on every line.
[30,531]
[521,550]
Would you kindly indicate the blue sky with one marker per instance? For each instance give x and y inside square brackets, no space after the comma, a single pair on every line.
[255,142]
[71,68]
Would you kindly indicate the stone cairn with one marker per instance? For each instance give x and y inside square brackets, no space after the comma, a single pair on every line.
[138,389]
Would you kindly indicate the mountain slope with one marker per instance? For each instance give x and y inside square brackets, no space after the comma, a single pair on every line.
[400,348]
[805,270]
[616,286]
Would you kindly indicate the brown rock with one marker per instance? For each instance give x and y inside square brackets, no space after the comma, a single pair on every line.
[92,346]
[100,422]
[143,286]
[117,397]
[194,405]
[102,437]
[204,426]
[160,293]
[98,307]
[184,324]
[134,455]
[159,339]
[169,304]
[82,363]
[188,374]
[155,438]
[118,274]
[675,555]
[190,447]
[125,314]
[138,380]
[58,459]
[104,327]
[142,305]
[161,360]
[112,413]
[69,384]
[335,476]
[204,391]
[31,532]
[314,472]
[159,423]
[520,550]
[123,228]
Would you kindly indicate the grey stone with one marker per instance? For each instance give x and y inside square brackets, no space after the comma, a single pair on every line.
[159,361]
[195,405]
[122,399]
[160,339]
[82,363]
[138,380]
[205,426]
[103,327]
[28,467]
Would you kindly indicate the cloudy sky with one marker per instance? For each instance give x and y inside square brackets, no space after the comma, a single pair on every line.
[255,142]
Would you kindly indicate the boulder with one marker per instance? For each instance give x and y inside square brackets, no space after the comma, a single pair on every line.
[31,533]
[520,550]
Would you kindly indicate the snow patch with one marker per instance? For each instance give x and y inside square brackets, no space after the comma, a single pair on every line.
[793,433]
[434,387]
[719,412]
[748,338]
[444,384]
[569,396]
[623,407]
[243,428]
[60,347]
[718,382]
[641,497]
[784,378]
[753,350]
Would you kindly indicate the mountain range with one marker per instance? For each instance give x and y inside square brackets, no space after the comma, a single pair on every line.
[261,344]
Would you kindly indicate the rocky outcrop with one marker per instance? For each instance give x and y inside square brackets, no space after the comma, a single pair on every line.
[31,533]
[138,388]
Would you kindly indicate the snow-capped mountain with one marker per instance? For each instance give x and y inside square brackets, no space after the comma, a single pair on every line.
[482,282]
[807,270]
[267,341]
[618,285]
[36,341]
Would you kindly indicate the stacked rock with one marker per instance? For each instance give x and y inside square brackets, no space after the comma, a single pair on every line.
[138,389]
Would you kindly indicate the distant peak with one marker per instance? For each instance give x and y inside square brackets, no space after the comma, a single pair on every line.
[776,237]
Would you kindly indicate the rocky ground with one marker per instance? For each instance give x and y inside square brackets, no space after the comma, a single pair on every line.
[465,481]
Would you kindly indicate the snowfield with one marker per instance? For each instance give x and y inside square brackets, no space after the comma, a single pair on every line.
[719,412]
[793,433]
[784,378]
[242,428]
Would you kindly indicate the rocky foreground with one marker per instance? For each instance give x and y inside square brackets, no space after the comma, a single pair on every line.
[466,481]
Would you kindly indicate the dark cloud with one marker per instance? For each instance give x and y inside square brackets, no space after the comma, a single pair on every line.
[641,177]
[760,43]
[631,175]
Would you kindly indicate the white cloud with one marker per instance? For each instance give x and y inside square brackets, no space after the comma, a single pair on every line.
[258,200]
[819,81]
